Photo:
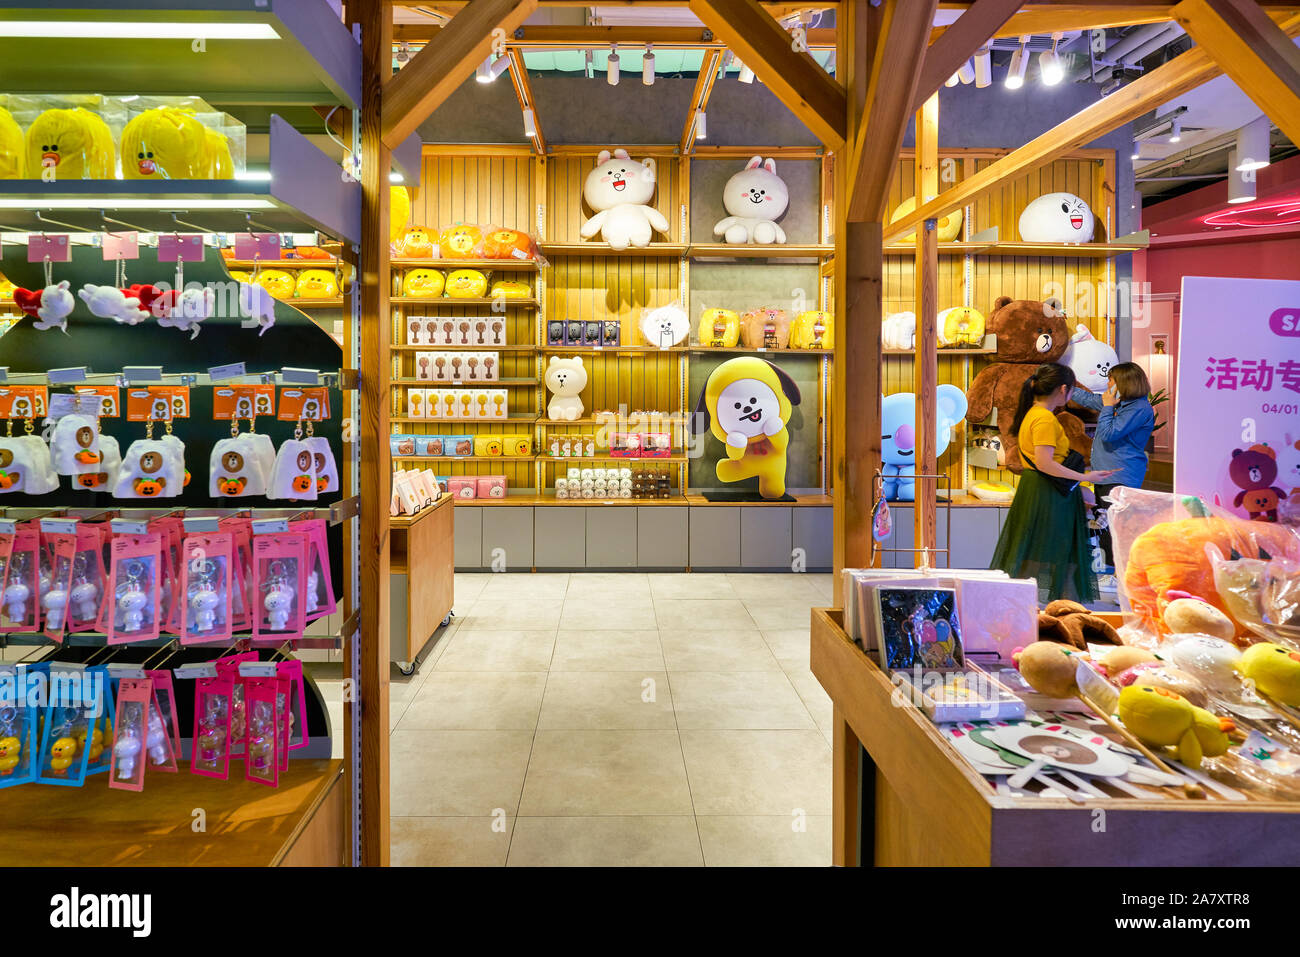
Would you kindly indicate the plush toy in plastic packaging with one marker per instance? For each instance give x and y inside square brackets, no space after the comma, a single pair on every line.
[423,283]
[277,282]
[151,468]
[166,143]
[1057,218]
[503,243]
[11,147]
[462,241]
[466,284]
[317,284]
[509,289]
[237,467]
[719,329]
[813,329]
[898,331]
[69,144]
[755,198]
[74,445]
[414,243]
[620,190]
[898,445]
[1158,716]
[765,329]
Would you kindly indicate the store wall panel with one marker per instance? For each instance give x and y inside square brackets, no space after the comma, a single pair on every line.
[715,537]
[469,536]
[611,538]
[813,533]
[559,537]
[974,536]
[662,537]
[766,536]
[507,538]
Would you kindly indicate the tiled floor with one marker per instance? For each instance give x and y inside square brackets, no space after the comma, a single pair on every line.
[598,719]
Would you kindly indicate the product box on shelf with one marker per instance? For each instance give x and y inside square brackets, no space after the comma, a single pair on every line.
[430,444]
[555,332]
[491,486]
[417,403]
[487,445]
[462,486]
[458,445]
[517,445]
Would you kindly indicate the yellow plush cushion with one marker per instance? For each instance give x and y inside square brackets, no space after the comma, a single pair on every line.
[719,329]
[813,330]
[466,284]
[961,326]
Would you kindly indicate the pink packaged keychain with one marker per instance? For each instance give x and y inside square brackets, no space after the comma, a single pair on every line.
[88,579]
[62,548]
[211,754]
[130,731]
[134,586]
[294,707]
[228,668]
[19,605]
[280,567]
[170,531]
[206,587]
[319,598]
[264,744]
[241,531]
[164,696]
[158,738]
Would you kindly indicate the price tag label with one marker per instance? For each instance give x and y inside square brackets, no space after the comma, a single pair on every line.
[4,373]
[138,374]
[121,246]
[120,671]
[270,526]
[129,526]
[299,376]
[257,669]
[75,403]
[173,248]
[56,248]
[191,672]
[66,376]
[59,526]
[202,524]
[257,246]
[231,370]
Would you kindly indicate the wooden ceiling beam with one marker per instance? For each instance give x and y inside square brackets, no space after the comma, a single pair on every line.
[959,42]
[1261,59]
[793,75]
[447,61]
[895,75]
[704,81]
[1183,73]
[547,36]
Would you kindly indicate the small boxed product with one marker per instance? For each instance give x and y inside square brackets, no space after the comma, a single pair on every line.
[480,403]
[592,332]
[515,445]
[498,407]
[555,332]
[625,445]
[566,445]
[462,486]
[491,486]
[610,334]
[574,473]
[656,445]
[418,332]
[588,445]
[490,365]
[439,366]
[561,483]
[495,334]
[456,366]
[573,332]
[402,445]
[430,444]
[416,407]
[458,445]
[487,445]
[424,369]
[561,491]
[473,367]
[438,330]
[465,407]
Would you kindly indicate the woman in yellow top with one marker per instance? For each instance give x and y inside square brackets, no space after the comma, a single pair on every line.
[1045,535]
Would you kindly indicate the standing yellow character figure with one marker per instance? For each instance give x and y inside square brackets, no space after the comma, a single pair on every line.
[746,404]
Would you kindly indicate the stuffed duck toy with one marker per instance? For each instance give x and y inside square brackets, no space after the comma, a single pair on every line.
[1162,717]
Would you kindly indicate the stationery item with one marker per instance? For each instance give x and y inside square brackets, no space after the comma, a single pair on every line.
[918,626]
[959,695]
[401,445]
[1045,747]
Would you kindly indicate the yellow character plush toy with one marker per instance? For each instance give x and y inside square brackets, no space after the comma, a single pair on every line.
[11,147]
[317,284]
[165,143]
[961,326]
[1162,717]
[277,282]
[813,330]
[1275,669]
[746,404]
[423,283]
[217,161]
[74,144]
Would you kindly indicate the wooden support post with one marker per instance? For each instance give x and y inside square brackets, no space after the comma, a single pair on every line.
[371,685]
[927,326]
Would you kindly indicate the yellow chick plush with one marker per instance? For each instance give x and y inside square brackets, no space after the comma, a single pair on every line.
[217,162]
[423,283]
[165,143]
[1161,717]
[317,284]
[73,144]
[948,227]
[961,326]
[61,754]
[11,750]
[1275,669]
[6,287]
[11,147]
[466,284]
[277,282]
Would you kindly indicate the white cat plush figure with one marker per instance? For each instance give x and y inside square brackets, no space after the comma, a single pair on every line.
[1057,218]
[756,198]
[620,190]
[1091,359]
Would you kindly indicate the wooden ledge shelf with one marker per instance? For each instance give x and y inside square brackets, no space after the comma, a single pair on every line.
[508,420]
[615,459]
[654,250]
[813,500]
[1027,250]
[738,351]
[473,348]
[462,458]
[612,350]
[282,264]
[459,303]
[774,251]
[314,303]
[500,265]
[613,422]
[462,383]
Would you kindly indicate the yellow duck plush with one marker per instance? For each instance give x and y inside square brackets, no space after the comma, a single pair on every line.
[1275,669]
[11,147]
[164,143]
[74,144]
[746,404]
[317,284]
[11,751]
[1161,717]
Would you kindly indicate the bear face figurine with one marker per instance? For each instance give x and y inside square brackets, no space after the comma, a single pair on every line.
[565,378]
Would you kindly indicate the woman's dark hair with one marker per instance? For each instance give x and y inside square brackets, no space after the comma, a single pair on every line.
[1130,381]
[1046,379]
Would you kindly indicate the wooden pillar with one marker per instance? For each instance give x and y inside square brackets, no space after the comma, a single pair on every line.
[371,684]
[927,307]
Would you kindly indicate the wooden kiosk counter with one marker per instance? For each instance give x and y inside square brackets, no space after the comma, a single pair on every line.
[906,798]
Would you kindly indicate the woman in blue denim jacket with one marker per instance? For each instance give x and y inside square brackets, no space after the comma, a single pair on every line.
[1125,421]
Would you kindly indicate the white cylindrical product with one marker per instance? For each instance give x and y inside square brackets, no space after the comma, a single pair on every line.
[588,493]
[575,473]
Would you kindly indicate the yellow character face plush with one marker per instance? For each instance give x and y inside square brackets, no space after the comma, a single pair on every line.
[719,329]
[415,243]
[6,288]
[399,212]
[466,284]
[277,282]
[216,156]
[948,228]
[74,144]
[509,289]
[746,404]
[317,284]
[461,242]
[423,283]
[11,147]
[1275,669]
[1163,717]
[240,276]
[961,326]
[165,143]
[812,330]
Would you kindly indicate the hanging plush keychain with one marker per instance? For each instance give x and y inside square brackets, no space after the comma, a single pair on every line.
[76,451]
[256,304]
[151,468]
[182,308]
[25,464]
[237,467]
[50,306]
[294,475]
[309,406]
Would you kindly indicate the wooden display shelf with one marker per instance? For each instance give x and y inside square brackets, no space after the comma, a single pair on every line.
[471,348]
[1027,250]
[462,383]
[529,418]
[664,459]
[509,459]
[283,264]
[500,265]
[659,250]
[928,807]
[783,251]
[523,496]
[336,303]
[597,350]
[421,551]
[814,500]
[941,352]
[459,303]
[530,499]
[737,350]
[300,823]
[626,425]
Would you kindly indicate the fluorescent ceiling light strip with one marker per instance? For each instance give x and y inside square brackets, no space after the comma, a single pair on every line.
[108,202]
[135,30]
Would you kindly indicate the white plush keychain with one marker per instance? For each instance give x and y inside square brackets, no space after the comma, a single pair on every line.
[256,307]
[110,464]
[25,465]
[50,306]
[235,469]
[294,475]
[185,310]
[327,470]
[78,450]
[152,468]
[109,302]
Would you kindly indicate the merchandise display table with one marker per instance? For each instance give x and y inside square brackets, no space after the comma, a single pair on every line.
[905,797]
[244,824]
[422,573]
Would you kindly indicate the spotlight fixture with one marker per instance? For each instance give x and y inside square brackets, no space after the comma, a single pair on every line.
[701,131]
[966,73]
[983,67]
[394,177]
[1176,130]
[530,123]
[1049,64]
[1241,188]
[1253,145]
[952,81]
[588,66]
[746,74]
[403,53]
[1016,70]
[611,65]
[648,66]
[490,69]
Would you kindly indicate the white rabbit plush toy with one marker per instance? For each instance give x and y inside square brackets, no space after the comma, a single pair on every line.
[756,198]
[620,190]
[109,302]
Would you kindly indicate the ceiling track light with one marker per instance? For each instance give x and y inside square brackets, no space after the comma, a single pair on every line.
[490,69]
[701,130]
[1016,70]
[648,66]
[404,53]
[1049,64]
[966,73]
[1176,130]
[1253,145]
[952,81]
[530,123]
[746,74]
[588,65]
[983,67]
[611,65]
[1241,186]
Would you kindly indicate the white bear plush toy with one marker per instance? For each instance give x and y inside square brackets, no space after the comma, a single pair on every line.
[898,331]
[1091,359]
[756,198]
[666,326]
[620,189]
[565,378]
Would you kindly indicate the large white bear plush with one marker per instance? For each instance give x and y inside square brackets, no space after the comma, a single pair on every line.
[1091,359]
[620,189]
[756,198]
[565,378]
[1057,218]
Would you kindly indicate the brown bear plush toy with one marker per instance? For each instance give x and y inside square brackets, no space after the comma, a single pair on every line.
[1029,334]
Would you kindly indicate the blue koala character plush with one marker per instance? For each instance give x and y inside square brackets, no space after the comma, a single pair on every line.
[898,428]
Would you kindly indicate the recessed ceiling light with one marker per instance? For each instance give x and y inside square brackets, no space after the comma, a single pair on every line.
[135,30]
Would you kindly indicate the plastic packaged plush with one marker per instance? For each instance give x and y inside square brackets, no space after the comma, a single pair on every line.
[19,600]
[88,580]
[262,763]
[206,587]
[135,588]
[130,729]
[63,144]
[18,723]
[11,146]
[211,754]
[280,563]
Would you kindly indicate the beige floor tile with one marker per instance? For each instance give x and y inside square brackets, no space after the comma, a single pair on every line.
[602,614]
[523,585]
[814,697]
[607,651]
[699,614]
[608,586]
[766,841]
[467,585]
[502,614]
[474,649]
[457,773]
[755,699]
[824,584]
[775,586]
[479,701]
[451,841]
[611,700]
[780,615]
[790,646]
[605,842]
[716,650]
[758,772]
[691,585]
[587,773]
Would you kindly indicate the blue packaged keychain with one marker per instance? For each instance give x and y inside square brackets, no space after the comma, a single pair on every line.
[17,728]
[99,728]
[64,755]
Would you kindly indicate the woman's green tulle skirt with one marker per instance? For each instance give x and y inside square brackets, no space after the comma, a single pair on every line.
[1045,537]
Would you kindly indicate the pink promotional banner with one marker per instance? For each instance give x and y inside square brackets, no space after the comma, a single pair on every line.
[1237,440]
